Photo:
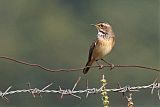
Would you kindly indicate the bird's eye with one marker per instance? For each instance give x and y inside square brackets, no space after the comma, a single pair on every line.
[101,25]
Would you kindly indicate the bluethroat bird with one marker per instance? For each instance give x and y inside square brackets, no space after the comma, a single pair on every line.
[101,46]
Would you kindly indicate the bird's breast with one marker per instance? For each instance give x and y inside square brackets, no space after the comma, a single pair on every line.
[103,47]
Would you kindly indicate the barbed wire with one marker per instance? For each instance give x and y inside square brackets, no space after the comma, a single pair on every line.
[111,66]
[36,91]
[73,92]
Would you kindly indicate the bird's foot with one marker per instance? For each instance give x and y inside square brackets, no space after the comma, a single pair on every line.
[100,66]
[111,66]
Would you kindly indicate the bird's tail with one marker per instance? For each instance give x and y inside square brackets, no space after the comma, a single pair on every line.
[86,69]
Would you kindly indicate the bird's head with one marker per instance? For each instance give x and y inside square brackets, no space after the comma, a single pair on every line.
[104,28]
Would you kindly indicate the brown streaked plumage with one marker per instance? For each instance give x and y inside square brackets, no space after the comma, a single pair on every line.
[102,45]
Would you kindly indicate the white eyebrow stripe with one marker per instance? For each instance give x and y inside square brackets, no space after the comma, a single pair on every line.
[105,24]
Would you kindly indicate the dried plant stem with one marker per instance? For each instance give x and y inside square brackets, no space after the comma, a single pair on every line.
[129,99]
[104,92]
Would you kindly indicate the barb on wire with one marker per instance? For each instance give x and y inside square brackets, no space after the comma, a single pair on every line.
[70,92]
[36,91]
[111,66]
[3,94]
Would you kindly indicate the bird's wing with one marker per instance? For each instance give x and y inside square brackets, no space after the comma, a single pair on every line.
[91,50]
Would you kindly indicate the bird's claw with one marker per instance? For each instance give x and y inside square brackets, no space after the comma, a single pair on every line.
[111,66]
[101,66]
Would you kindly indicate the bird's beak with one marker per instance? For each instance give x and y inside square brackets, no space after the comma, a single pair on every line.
[94,25]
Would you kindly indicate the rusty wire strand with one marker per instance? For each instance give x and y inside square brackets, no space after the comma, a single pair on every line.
[77,69]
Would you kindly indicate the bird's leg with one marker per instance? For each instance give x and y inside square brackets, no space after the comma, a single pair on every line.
[100,65]
[110,64]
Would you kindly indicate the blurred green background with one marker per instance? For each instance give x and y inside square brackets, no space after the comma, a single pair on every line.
[57,34]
